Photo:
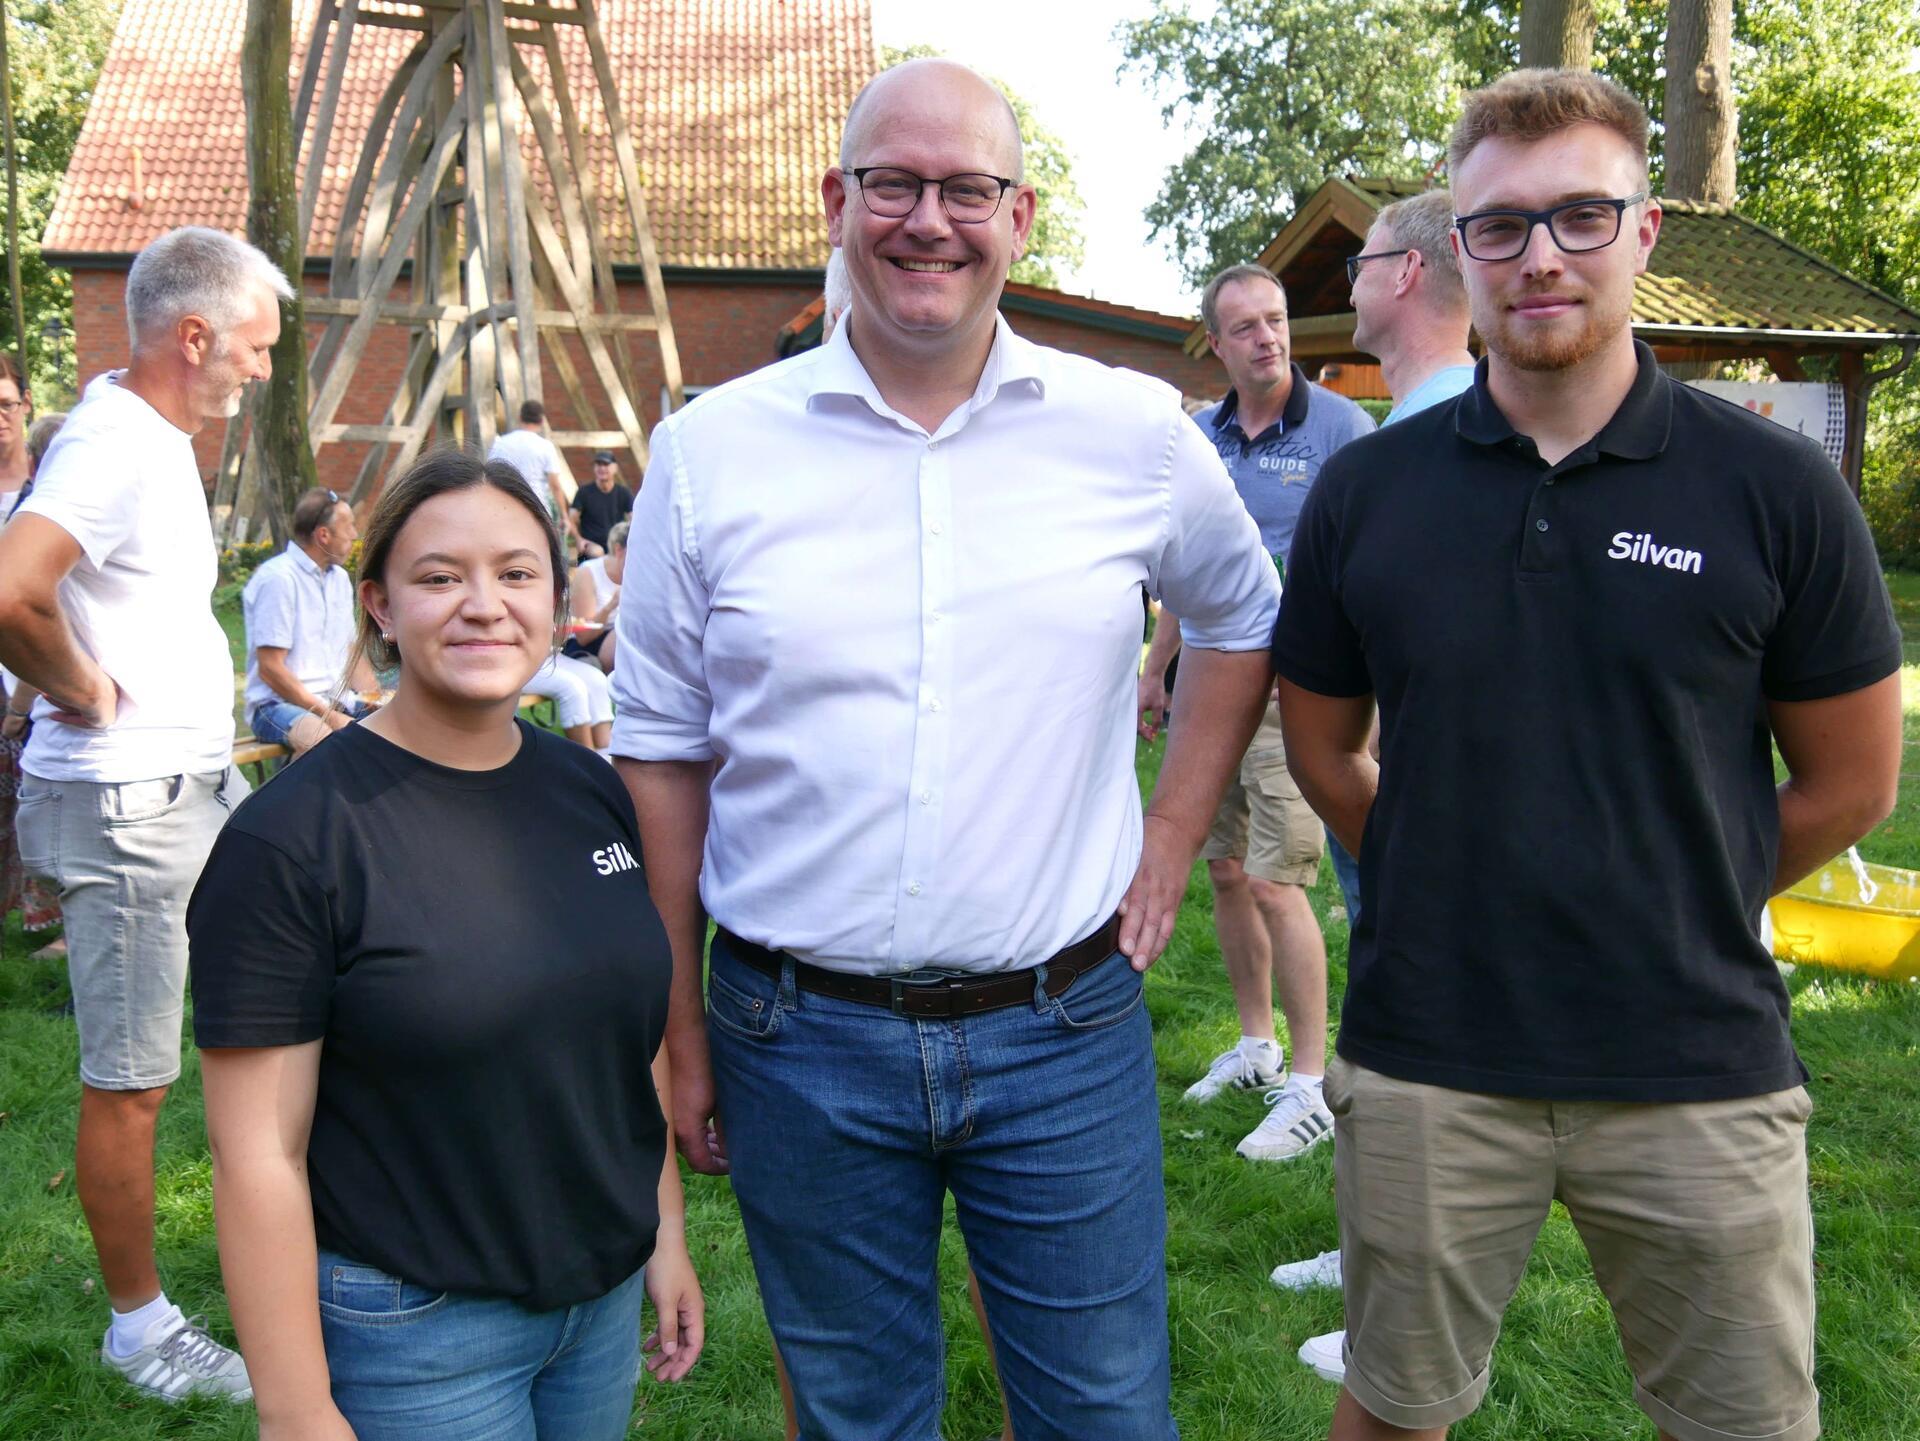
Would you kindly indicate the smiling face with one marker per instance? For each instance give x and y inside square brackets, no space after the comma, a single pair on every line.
[227,361]
[923,285]
[1253,342]
[469,596]
[1546,309]
[605,472]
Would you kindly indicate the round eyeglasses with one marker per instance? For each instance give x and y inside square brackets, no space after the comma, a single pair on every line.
[968,198]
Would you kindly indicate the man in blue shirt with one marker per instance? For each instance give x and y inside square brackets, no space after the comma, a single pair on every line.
[1410,310]
[1273,430]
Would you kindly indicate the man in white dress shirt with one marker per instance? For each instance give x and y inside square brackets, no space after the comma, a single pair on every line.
[877,715]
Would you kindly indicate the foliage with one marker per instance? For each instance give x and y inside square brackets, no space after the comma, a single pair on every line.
[1057,245]
[55,49]
[1292,91]
[237,562]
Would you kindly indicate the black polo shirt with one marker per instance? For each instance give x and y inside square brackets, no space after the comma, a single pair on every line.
[1576,829]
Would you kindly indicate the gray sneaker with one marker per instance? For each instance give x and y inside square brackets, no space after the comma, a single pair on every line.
[184,1361]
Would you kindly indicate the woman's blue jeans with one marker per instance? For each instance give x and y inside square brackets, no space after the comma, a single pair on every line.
[410,1364]
[846,1124]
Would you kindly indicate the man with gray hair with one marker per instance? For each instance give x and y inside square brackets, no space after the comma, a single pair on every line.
[106,574]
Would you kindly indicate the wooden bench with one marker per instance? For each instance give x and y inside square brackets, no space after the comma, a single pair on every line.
[250,750]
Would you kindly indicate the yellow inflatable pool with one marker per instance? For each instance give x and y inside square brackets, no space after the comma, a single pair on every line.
[1851,915]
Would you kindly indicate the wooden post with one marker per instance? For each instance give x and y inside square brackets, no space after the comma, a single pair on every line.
[1853,388]
[285,459]
[13,204]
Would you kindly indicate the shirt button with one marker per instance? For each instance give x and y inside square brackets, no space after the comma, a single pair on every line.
[937,528]
[1539,525]
[933,705]
[913,888]
[926,798]
[933,615]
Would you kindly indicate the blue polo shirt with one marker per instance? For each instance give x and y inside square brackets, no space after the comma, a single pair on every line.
[1274,470]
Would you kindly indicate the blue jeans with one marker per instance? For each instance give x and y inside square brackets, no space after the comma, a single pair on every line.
[846,1124]
[271,720]
[1348,870]
[412,1364]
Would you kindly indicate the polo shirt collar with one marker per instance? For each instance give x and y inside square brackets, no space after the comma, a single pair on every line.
[1637,431]
[1291,416]
[1012,361]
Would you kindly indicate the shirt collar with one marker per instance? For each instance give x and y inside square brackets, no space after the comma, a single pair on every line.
[303,560]
[1637,431]
[1292,415]
[1011,361]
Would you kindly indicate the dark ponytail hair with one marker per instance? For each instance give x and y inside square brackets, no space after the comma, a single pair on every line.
[439,472]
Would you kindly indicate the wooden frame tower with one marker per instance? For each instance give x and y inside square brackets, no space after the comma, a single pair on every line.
[439,180]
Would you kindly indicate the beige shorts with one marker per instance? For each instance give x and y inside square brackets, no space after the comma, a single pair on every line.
[1264,821]
[1695,1215]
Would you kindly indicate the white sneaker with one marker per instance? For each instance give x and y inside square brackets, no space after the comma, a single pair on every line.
[1297,1120]
[1231,1070]
[1322,1270]
[180,1359]
[1323,1355]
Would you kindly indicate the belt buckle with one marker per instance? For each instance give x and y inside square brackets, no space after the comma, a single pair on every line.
[925,983]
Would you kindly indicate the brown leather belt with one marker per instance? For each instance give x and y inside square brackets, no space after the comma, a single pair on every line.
[925,995]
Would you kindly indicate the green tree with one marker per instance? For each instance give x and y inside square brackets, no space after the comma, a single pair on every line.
[55,51]
[1058,244]
[1292,91]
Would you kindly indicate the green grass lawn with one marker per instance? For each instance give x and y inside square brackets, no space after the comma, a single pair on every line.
[1557,1372]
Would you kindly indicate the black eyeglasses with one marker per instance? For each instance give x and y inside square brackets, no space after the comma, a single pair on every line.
[1354,262]
[968,198]
[1577,226]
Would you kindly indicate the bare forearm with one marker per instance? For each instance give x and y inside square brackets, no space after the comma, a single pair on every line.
[670,1199]
[38,646]
[1340,788]
[1815,828]
[284,683]
[670,802]
[1332,744]
[1220,698]
[267,1255]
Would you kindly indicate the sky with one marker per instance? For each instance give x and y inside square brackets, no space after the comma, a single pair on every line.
[1063,59]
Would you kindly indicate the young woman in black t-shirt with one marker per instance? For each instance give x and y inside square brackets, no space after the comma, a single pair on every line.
[429,988]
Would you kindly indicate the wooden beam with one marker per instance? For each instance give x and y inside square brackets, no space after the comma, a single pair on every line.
[1785,364]
[407,314]
[427,409]
[514,188]
[544,14]
[636,201]
[604,439]
[1853,389]
[382,433]
[581,306]
[401,410]
[419,203]
[323,124]
[581,169]
[381,123]
[310,64]
[398,22]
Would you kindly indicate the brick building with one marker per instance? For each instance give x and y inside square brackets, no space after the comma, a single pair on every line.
[735,107]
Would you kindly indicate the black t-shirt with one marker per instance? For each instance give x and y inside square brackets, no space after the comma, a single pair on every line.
[478,952]
[1562,875]
[601,510]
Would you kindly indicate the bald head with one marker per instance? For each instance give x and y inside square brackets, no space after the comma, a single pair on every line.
[962,96]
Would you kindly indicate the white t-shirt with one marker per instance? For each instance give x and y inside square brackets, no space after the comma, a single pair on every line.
[122,481]
[604,590]
[533,455]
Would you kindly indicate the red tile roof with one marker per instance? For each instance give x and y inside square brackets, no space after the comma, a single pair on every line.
[735,108]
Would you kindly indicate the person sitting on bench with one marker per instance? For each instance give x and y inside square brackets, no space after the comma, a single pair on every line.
[299,614]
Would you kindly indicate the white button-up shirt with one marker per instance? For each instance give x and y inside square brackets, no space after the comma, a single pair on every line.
[292,604]
[914,655]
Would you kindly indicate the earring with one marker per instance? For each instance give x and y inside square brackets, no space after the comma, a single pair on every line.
[387,635]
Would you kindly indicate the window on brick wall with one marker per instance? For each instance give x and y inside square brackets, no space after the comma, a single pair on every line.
[690,391]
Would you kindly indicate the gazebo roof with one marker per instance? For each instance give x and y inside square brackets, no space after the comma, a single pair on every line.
[1715,279]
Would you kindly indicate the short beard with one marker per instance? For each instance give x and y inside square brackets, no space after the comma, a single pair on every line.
[1561,352]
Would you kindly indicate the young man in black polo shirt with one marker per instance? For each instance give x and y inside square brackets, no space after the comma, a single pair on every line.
[599,507]
[1587,600]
